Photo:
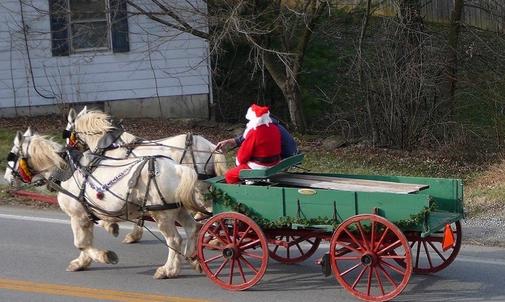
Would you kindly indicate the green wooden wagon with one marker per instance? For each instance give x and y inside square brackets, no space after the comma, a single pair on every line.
[380,228]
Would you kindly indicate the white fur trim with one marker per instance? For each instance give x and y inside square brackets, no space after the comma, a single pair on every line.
[255,121]
[254,165]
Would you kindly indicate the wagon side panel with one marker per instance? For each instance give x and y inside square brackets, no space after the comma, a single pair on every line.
[266,202]
[320,204]
[395,207]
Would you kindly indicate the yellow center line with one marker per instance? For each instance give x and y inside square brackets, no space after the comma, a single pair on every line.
[91,293]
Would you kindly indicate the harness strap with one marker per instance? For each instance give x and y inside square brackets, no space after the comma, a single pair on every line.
[53,184]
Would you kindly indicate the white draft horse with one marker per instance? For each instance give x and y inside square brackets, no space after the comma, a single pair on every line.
[90,127]
[126,186]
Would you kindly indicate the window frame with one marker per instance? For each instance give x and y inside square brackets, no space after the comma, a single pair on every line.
[108,22]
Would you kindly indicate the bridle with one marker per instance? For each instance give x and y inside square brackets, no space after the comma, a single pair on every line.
[23,171]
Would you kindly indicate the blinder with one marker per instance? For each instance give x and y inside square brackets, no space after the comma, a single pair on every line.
[66,134]
[12,157]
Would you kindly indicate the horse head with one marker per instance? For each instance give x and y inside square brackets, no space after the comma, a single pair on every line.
[69,134]
[32,158]
[11,158]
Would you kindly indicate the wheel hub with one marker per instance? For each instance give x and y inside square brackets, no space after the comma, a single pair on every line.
[369,259]
[230,252]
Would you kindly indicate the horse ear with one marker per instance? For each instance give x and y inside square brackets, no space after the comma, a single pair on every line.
[18,139]
[71,115]
[28,132]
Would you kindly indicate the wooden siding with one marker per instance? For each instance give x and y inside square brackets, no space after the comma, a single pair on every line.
[484,14]
[179,63]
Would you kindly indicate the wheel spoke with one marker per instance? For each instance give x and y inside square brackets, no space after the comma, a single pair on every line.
[348,258]
[220,268]
[214,247]
[250,244]
[213,258]
[386,230]
[350,270]
[249,264]
[275,249]
[232,266]
[396,269]
[217,236]
[396,257]
[427,254]
[391,246]
[372,236]
[244,235]
[353,239]
[300,249]
[241,270]
[379,280]
[358,279]
[388,276]
[349,247]
[288,255]
[235,231]
[361,232]
[252,255]
[225,230]
[417,253]
[437,251]
[369,283]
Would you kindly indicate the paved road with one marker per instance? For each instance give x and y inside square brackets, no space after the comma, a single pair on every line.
[36,246]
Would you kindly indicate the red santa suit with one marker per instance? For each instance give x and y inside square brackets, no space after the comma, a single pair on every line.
[262,145]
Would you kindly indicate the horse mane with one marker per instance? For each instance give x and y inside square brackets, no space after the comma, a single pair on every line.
[43,153]
[93,122]
[93,125]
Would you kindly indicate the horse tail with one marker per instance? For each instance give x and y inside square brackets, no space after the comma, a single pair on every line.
[185,192]
[219,163]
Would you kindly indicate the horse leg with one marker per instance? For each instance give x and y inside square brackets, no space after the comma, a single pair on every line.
[111,227]
[191,227]
[136,234]
[82,229]
[166,224]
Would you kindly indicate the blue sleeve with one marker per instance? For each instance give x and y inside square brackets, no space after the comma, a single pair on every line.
[239,140]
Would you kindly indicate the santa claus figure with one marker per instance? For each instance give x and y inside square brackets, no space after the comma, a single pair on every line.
[262,143]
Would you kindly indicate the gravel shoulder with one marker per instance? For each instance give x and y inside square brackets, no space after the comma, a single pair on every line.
[485,229]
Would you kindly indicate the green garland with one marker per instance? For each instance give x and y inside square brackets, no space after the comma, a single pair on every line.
[220,197]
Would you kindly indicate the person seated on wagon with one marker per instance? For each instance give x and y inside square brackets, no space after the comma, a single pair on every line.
[288,143]
[261,147]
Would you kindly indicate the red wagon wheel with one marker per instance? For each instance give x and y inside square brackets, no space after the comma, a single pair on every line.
[428,254]
[362,259]
[293,249]
[233,251]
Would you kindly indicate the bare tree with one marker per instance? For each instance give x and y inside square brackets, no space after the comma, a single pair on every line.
[277,32]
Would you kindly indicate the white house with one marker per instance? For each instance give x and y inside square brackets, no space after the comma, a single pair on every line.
[55,52]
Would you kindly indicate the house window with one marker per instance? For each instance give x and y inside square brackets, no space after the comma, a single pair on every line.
[89,28]
[88,25]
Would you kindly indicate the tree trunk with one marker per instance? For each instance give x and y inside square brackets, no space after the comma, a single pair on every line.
[293,97]
[452,56]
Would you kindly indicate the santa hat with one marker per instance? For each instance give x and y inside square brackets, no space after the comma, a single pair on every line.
[257,116]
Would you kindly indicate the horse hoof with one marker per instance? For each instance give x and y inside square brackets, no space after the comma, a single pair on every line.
[129,239]
[112,257]
[115,229]
[74,268]
[160,273]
